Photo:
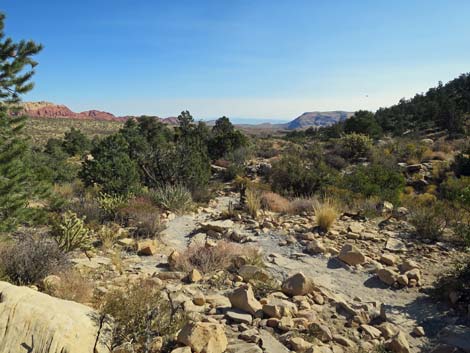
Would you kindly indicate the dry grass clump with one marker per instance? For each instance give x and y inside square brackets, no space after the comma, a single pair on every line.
[274,202]
[210,258]
[71,286]
[253,202]
[143,312]
[301,205]
[325,214]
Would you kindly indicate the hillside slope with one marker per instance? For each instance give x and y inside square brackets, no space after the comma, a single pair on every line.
[318,119]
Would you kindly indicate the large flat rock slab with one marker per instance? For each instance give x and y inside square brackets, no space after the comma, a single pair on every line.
[35,322]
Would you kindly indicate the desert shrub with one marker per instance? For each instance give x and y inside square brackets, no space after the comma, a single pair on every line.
[253,202]
[462,164]
[355,146]
[70,233]
[176,198]
[325,214]
[265,149]
[301,205]
[71,286]
[148,313]
[111,167]
[87,207]
[208,259]
[430,219]
[143,215]
[375,180]
[335,161]
[233,171]
[274,202]
[109,234]
[29,259]
[297,175]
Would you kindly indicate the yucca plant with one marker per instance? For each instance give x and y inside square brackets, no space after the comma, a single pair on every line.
[176,198]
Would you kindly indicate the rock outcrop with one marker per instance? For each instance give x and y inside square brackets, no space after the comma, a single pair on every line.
[34,322]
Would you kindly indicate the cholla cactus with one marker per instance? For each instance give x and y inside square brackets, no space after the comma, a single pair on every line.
[71,233]
[111,203]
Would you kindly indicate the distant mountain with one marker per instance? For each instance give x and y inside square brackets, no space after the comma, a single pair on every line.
[318,119]
[51,110]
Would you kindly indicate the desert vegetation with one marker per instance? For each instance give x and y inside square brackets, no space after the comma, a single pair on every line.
[187,234]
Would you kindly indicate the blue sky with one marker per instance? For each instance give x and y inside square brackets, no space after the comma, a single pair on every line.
[240,58]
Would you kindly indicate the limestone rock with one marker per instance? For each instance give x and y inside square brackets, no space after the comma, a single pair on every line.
[398,344]
[239,317]
[250,272]
[395,245]
[316,247]
[388,259]
[194,276]
[297,284]
[351,255]
[299,345]
[30,320]
[244,299]
[203,337]
[387,276]
[174,258]
[146,247]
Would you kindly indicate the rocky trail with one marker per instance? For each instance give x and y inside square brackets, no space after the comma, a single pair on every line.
[406,308]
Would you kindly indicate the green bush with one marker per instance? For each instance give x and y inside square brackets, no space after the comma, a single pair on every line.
[297,175]
[355,146]
[111,167]
[75,142]
[70,233]
[225,139]
[147,314]
[375,180]
[430,219]
[462,164]
[176,198]
[363,122]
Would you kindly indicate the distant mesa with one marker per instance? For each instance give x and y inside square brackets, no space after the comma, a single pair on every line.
[318,119]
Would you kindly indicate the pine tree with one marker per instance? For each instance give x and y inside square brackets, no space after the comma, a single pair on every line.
[18,185]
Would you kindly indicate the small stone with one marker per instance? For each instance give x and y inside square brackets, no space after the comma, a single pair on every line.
[203,337]
[398,344]
[387,276]
[371,331]
[351,255]
[146,247]
[299,345]
[403,280]
[239,317]
[297,284]
[418,331]
[194,276]
[244,299]
[388,259]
